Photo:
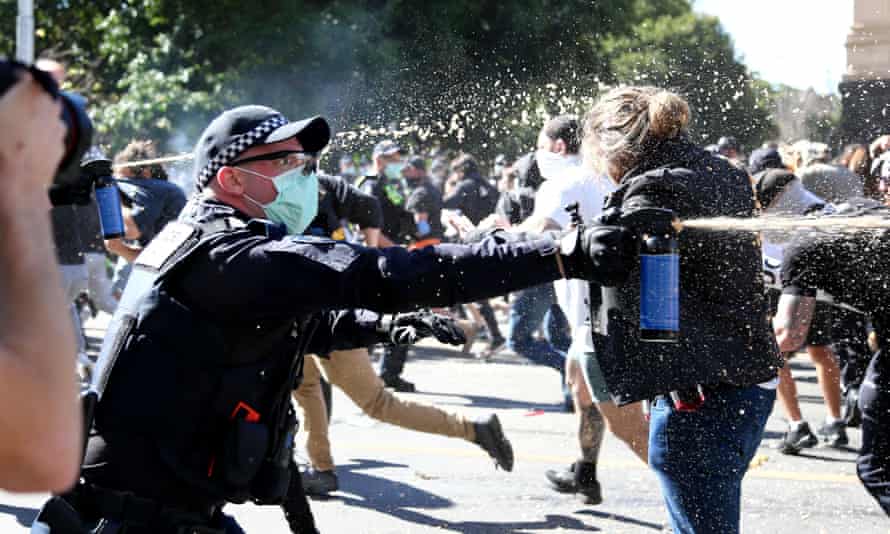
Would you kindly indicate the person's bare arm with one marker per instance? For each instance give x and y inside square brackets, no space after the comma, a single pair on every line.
[792,321]
[383,241]
[119,247]
[41,420]
[372,236]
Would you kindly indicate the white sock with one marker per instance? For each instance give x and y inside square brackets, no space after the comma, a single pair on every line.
[831,420]
[796,425]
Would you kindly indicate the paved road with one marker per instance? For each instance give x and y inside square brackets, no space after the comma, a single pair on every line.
[396,481]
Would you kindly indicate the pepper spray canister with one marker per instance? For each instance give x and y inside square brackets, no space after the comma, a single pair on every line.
[108,201]
[96,170]
[659,288]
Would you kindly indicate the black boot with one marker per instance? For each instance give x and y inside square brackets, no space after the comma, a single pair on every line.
[490,436]
[562,480]
[585,481]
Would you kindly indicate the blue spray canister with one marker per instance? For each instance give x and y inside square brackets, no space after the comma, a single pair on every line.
[659,288]
[108,201]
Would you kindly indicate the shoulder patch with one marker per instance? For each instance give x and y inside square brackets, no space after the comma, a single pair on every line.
[335,255]
[173,238]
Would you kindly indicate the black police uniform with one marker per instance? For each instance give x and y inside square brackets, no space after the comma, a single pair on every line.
[398,226]
[425,198]
[474,197]
[196,412]
[338,200]
[398,223]
[855,270]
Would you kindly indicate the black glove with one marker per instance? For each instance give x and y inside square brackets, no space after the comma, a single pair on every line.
[607,251]
[64,195]
[601,254]
[409,328]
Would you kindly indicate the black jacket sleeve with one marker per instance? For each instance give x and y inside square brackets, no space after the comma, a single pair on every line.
[351,203]
[346,329]
[253,277]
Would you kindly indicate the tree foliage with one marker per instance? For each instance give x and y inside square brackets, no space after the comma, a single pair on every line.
[478,75]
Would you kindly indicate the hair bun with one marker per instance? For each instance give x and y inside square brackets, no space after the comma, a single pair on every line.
[668,115]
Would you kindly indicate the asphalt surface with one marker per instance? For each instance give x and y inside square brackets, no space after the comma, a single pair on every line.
[397,481]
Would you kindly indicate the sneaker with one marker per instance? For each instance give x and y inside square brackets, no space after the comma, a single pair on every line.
[834,434]
[490,436]
[795,440]
[398,384]
[319,483]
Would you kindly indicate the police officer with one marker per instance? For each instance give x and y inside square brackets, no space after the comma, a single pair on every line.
[388,187]
[228,299]
[340,201]
[855,270]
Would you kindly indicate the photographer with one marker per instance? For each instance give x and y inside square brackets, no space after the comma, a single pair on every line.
[42,433]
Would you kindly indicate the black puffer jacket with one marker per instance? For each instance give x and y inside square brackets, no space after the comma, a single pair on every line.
[725,335]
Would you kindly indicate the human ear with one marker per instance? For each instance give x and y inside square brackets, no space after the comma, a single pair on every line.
[229,181]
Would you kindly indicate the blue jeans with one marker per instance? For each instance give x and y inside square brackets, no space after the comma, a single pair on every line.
[701,457]
[873,464]
[532,307]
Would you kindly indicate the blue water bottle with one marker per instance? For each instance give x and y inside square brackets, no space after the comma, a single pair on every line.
[108,201]
[659,289]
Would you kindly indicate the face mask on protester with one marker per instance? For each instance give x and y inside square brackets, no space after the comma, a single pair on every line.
[553,165]
[393,171]
[297,201]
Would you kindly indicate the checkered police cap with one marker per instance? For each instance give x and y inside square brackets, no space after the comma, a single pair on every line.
[241,128]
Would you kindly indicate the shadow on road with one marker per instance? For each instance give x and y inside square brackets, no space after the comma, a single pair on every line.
[24,516]
[622,519]
[402,501]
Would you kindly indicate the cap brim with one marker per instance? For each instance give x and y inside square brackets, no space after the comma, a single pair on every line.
[313,133]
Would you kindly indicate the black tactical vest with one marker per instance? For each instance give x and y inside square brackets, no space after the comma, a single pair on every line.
[217,415]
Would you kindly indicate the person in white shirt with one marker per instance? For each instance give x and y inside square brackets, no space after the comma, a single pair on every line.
[567,182]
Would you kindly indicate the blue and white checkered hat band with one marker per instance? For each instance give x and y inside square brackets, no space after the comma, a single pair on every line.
[238,146]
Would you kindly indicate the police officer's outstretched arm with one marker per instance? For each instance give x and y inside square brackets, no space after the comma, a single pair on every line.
[295,275]
[40,422]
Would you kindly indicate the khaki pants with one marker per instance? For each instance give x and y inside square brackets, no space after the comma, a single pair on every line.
[351,371]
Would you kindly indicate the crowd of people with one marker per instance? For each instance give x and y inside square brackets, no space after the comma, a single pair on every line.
[262,313]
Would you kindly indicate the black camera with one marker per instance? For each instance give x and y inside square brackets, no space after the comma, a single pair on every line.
[70,185]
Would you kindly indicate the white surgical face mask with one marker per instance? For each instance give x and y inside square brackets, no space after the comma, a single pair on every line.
[552,165]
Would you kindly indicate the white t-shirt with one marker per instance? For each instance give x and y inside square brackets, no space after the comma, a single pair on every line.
[576,184]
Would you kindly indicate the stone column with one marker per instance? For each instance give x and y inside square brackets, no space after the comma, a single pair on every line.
[865,89]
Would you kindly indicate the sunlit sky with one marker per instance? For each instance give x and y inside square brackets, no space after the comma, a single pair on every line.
[795,42]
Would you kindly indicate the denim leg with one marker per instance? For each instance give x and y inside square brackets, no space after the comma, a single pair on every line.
[558,331]
[873,464]
[701,457]
[526,315]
